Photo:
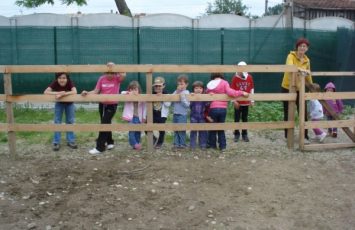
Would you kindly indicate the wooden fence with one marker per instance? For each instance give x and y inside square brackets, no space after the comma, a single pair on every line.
[11,127]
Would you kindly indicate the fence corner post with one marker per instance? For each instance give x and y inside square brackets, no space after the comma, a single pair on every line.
[291,112]
[302,112]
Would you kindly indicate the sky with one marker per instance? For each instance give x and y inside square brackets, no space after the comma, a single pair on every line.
[190,8]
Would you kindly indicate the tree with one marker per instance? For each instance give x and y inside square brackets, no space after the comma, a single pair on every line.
[227,7]
[121,4]
[275,10]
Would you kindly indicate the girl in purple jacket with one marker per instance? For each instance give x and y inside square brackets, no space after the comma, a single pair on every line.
[336,105]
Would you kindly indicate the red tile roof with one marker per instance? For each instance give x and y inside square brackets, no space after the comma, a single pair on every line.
[327,4]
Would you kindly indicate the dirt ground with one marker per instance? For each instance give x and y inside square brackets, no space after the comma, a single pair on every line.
[255,185]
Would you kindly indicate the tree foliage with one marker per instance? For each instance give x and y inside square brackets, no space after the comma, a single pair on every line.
[121,4]
[227,7]
[275,10]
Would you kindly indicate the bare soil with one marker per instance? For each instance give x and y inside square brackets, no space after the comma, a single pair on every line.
[255,185]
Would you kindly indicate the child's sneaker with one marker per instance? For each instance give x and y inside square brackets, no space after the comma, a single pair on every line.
[72,145]
[110,146]
[94,151]
[137,146]
[56,147]
[321,137]
[334,134]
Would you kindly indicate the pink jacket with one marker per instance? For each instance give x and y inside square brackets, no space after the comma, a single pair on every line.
[128,108]
[220,86]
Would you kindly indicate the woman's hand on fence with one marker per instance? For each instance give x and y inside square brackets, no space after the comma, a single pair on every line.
[84,93]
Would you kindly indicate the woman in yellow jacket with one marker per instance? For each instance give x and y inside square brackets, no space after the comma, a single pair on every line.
[299,59]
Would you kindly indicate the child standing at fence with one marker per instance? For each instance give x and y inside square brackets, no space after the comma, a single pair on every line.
[218,109]
[336,105]
[61,87]
[109,83]
[160,110]
[242,81]
[134,113]
[316,114]
[181,109]
[197,115]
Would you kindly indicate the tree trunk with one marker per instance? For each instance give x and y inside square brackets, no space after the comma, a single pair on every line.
[123,8]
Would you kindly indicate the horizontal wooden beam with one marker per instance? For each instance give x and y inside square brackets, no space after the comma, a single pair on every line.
[146,97]
[145,127]
[342,74]
[328,146]
[2,97]
[329,124]
[146,68]
[330,96]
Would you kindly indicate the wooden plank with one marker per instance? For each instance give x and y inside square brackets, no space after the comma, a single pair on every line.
[302,110]
[3,127]
[342,74]
[147,68]
[329,124]
[149,80]
[330,95]
[11,135]
[317,147]
[2,97]
[149,127]
[147,97]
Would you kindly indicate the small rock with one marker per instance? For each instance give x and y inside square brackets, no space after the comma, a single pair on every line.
[31,226]
[95,169]
[48,227]
[253,161]
[210,215]
[191,208]
[213,222]
[176,183]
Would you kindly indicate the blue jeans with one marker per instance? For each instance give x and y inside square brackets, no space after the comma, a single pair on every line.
[219,116]
[134,137]
[59,109]
[202,135]
[180,136]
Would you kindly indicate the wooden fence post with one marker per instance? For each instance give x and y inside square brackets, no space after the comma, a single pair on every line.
[302,110]
[291,112]
[11,135]
[150,144]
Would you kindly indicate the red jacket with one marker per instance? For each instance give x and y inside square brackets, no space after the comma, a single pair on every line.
[243,84]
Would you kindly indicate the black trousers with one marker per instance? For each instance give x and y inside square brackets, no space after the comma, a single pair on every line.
[158,119]
[285,105]
[242,112]
[106,114]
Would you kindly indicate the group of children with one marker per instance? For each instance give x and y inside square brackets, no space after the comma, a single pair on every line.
[200,112]
[135,112]
[317,112]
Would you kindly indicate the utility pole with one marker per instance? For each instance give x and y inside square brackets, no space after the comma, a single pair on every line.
[288,4]
[266,2]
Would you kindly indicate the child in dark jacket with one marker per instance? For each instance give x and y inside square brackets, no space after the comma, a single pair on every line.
[197,115]
[336,105]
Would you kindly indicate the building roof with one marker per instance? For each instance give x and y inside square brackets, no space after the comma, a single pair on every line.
[327,4]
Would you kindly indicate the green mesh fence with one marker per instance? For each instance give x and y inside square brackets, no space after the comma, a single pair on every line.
[329,51]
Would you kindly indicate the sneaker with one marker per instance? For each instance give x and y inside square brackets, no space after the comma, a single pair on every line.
[94,151]
[334,134]
[236,138]
[72,145]
[56,147]
[157,147]
[245,138]
[321,137]
[137,146]
[110,146]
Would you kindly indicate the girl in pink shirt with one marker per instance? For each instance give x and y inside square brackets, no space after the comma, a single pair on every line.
[218,109]
[109,83]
